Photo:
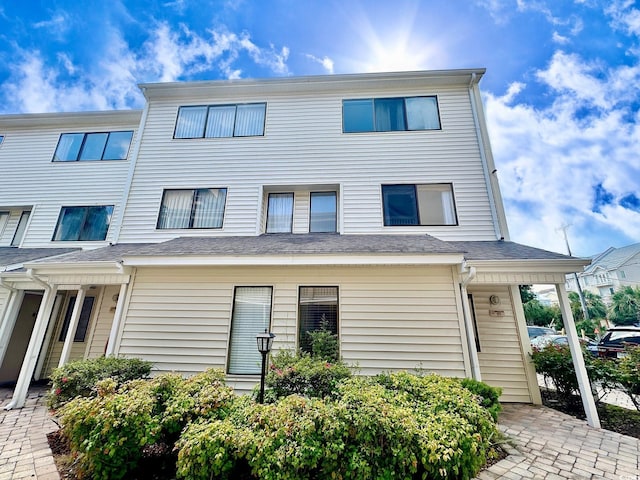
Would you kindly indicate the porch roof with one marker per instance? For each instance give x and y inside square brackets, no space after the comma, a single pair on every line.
[503,250]
[12,258]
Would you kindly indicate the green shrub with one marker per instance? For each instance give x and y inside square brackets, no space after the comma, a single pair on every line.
[629,377]
[393,426]
[79,378]
[488,396]
[324,343]
[301,374]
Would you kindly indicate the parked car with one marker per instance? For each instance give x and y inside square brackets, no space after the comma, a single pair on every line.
[535,331]
[544,340]
[613,342]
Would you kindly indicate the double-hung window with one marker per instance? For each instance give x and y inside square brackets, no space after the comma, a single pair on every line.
[74,147]
[220,121]
[83,223]
[426,204]
[280,213]
[317,309]
[251,316]
[390,114]
[196,208]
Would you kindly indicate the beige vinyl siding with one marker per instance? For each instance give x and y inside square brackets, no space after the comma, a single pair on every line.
[389,318]
[501,362]
[303,144]
[99,330]
[38,182]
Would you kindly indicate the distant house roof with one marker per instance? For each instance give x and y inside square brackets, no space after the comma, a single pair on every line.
[11,257]
[614,258]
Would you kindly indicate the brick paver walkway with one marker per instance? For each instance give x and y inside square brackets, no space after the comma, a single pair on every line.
[548,445]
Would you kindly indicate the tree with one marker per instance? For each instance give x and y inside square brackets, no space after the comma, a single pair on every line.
[526,295]
[538,314]
[595,306]
[625,306]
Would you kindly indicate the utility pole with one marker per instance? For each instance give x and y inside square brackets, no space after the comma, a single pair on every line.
[583,302]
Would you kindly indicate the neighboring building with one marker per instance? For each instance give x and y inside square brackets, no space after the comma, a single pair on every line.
[366,201]
[609,271]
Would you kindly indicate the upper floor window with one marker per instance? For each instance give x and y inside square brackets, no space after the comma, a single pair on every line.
[322,212]
[390,114]
[427,204]
[218,121]
[1,139]
[197,208]
[280,213]
[83,223]
[93,146]
[20,229]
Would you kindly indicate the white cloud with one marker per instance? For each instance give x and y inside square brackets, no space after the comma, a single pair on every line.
[557,38]
[325,61]
[57,26]
[551,159]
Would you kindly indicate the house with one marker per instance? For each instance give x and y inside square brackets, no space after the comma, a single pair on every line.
[369,202]
[609,271]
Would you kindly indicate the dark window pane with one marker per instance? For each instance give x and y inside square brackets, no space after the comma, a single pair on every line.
[70,223]
[93,147]
[323,212]
[96,223]
[390,114]
[68,147]
[117,146]
[280,213]
[318,306]
[400,205]
[83,321]
[357,115]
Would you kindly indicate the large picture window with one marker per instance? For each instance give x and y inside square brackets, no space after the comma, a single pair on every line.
[427,204]
[322,212]
[198,208]
[317,309]
[251,316]
[93,146]
[280,213]
[83,223]
[390,114]
[220,121]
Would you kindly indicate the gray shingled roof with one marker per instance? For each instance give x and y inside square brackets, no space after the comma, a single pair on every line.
[18,256]
[614,257]
[310,244]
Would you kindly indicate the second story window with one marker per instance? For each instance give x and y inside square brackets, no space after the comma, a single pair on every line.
[83,223]
[427,204]
[280,213]
[74,147]
[322,212]
[390,114]
[197,208]
[21,228]
[220,121]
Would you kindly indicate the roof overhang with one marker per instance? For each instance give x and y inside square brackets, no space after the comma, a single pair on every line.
[39,120]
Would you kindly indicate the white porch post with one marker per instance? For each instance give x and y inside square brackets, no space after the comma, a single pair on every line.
[73,325]
[8,320]
[117,320]
[471,334]
[37,375]
[33,349]
[578,360]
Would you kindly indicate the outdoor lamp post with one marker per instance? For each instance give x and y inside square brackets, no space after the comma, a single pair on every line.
[265,341]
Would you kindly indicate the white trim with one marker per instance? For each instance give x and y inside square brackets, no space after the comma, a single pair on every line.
[73,326]
[117,320]
[51,329]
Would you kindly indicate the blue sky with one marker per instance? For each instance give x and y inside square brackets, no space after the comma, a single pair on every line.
[561,90]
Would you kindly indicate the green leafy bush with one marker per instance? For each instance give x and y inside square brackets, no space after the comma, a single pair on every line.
[488,396]
[393,426]
[324,343]
[79,378]
[629,377]
[301,374]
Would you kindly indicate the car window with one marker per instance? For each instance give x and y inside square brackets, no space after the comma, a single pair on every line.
[624,336]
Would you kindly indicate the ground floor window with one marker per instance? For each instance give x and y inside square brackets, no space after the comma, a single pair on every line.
[83,321]
[251,316]
[318,307]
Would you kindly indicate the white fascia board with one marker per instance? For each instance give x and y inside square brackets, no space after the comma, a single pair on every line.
[39,120]
[291,260]
[314,83]
[531,266]
[91,268]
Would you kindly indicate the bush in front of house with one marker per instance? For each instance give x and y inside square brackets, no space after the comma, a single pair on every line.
[487,395]
[629,377]
[392,426]
[79,378]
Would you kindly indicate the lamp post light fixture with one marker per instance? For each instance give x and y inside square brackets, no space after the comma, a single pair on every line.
[265,341]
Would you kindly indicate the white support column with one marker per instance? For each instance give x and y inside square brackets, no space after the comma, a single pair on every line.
[578,360]
[33,349]
[37,375]
[8,320]
[73,326]
[470,334]
[117,320]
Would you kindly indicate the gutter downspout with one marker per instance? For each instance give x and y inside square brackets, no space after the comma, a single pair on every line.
[471,336]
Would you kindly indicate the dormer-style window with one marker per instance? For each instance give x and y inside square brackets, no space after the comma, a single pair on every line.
[74,147]
[427,204]
[221,121]
[83,223]
[390,114]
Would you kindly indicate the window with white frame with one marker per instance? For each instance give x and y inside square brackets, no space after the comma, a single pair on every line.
[20,229]
[74,147]
[323,212]
[83,223]
[193,208]
[390,114]
[83,321]
[251,316]
[221,121]
[1,139]
[280,213]
[317,309]
[421,204]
